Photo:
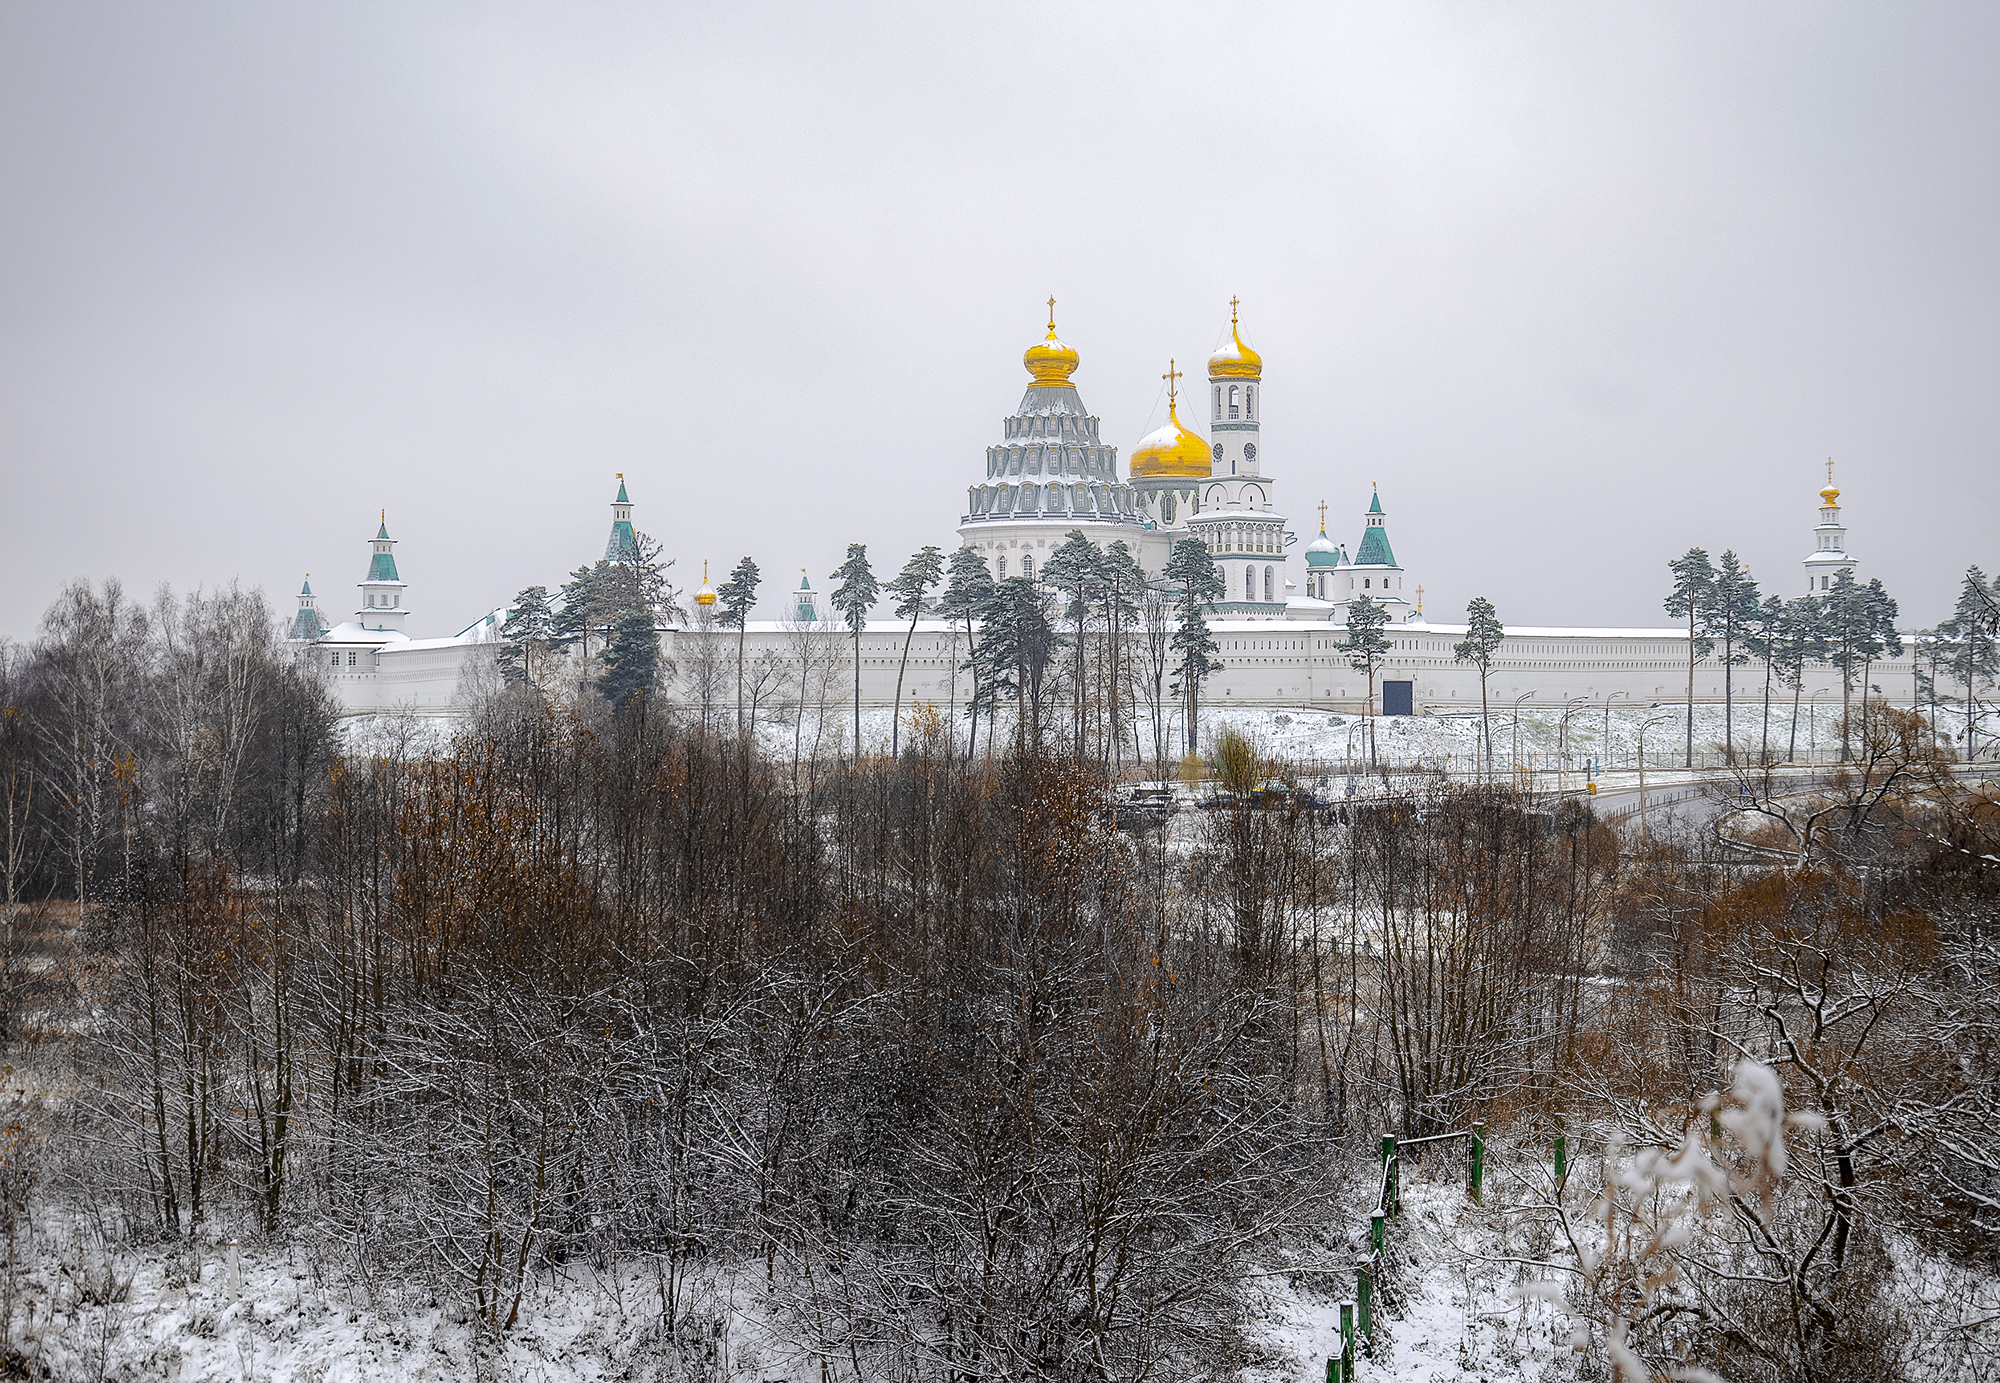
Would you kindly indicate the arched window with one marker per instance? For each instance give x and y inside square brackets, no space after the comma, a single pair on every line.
[1249,400]
[1028,565]
[1365,581]
[1267,583]
[1003,568]
[1167,509]
[1249,583]
[1218,403]
[1232,400]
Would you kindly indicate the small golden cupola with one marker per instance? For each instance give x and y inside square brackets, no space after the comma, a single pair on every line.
[1235,360]
[1049,361]
[1172,449]
[706,595]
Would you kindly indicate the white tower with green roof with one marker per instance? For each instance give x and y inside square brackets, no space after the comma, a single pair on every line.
[308,624]
[382,592]
[623,541]
[1374,572]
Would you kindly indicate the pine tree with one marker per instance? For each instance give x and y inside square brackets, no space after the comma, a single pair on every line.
[571,626]
[1883,640]
[1075,571]
[1483,633]
[923,571]
[1366,644]
[854,597]
[1762,639]
[736,597]
[1800,639]
[1122,584]
[525,635]
[968,587]
[1733,614]
[1692,598]
[1192,571]
[631,660]
[1973,655]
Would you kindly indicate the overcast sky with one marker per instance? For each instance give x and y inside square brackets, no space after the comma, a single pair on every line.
[1580,286]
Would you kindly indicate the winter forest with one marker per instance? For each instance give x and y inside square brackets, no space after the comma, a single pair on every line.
[591,1035]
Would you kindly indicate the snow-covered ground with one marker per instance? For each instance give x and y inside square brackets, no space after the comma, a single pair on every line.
[1538,739]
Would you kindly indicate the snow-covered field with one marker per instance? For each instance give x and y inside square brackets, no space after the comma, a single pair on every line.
[1536,739]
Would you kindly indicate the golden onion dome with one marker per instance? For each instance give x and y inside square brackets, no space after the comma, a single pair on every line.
[1235,360]
[706,595]
[1171,450]
[1049,361]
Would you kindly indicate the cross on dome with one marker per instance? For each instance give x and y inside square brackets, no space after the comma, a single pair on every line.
[1172,377]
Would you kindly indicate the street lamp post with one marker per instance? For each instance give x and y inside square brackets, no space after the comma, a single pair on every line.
[1517,735]
[1645,828]
[1562,742]
[1604,746]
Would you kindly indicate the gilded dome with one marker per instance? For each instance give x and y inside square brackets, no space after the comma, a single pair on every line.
[1235,360]
[706,595]
[1171,450]
[1049,361]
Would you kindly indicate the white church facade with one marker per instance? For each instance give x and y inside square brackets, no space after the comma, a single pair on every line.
[1051,474]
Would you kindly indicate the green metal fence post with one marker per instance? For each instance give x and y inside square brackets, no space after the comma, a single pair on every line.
[1364,1291]
[1377,1233]
[1333,1369]
[1347,1338]
[1478,1159]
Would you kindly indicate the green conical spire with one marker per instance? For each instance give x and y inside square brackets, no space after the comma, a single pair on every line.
[1375,503]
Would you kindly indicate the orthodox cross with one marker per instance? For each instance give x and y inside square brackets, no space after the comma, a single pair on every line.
[1172,377]
[1232,312]
[1052,316]
[1322,516]
[1420,600]
[1829,470]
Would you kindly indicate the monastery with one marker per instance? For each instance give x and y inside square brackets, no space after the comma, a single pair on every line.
[1050,474]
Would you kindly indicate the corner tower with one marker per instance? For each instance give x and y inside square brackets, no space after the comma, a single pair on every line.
[382,592]
[1829,555]
[623,542]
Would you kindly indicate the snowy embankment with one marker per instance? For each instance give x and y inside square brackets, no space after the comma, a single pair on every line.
[1538,739]
[1451,1307]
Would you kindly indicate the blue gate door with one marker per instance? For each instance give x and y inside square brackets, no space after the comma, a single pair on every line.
[1399,698]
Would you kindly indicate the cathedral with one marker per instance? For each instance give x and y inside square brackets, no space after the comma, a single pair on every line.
[1052,474]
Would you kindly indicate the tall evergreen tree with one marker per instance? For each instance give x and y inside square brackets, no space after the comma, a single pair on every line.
[1692,598]
[1075,571]
[1799,640]
[1122,584]
[854,597]
[631,660]
[1016,639]
[737,596]
[923,571]
[968,586]
[1731,618]
[1883,640]
[1192,571]
[1483,633]
[1366,644]
[1761,639]
[1974,652]
[525,635]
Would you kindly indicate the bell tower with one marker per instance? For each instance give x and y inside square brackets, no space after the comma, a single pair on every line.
[1829,555]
